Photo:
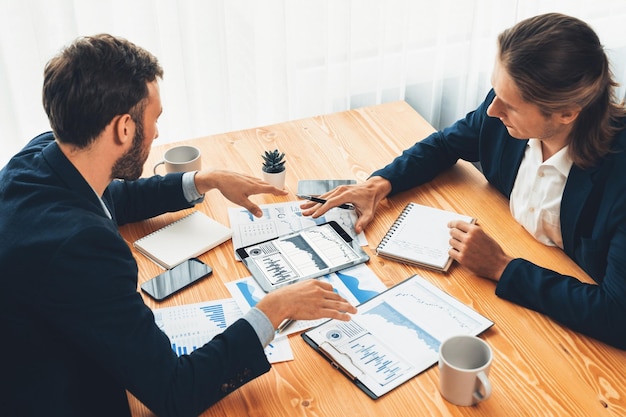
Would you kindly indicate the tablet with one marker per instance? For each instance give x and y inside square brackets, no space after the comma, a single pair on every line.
[308,253]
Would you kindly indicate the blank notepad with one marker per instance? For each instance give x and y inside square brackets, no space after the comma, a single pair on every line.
[185,238]
[420,236]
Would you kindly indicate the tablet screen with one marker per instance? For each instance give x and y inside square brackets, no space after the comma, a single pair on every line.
[309,253]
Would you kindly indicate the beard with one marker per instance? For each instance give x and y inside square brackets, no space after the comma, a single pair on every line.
[130,165]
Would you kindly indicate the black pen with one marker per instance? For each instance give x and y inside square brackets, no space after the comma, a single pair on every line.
[321,200]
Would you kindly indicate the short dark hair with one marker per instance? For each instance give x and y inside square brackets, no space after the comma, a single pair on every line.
[558,63]
[93,80]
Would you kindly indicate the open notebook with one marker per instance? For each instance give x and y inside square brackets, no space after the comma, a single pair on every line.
[420,236]
[185,238]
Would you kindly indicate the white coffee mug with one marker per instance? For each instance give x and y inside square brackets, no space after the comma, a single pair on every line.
[464,363]
[182,158]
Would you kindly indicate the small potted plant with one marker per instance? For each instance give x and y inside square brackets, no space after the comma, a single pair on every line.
[274,168]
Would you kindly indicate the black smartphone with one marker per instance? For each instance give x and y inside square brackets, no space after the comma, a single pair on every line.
[175,279]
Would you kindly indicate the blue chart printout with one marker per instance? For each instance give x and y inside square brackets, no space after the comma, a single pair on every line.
[395,335]
[356,284]
[191,326]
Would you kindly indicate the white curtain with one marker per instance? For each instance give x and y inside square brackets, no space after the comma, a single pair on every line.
[236,64]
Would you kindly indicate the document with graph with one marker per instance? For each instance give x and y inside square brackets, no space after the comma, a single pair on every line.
[280,219]
[191,326]
[395,335]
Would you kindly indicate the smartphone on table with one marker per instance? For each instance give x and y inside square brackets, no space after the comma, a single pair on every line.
[175,279]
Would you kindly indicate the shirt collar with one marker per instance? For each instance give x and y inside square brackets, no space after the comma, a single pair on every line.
[560,160]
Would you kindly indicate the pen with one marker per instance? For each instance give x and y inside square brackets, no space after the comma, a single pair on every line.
[283,325]
[321,200]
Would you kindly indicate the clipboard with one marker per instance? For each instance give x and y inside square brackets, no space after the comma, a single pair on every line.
[308,253]
[395,335]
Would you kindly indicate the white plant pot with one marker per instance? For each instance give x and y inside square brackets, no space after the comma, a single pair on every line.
[276,179]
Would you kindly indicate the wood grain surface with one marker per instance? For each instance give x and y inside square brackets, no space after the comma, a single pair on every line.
[540,368]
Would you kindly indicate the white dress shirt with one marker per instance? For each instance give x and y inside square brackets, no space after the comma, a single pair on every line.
[536,196]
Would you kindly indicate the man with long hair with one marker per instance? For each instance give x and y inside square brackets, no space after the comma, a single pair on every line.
[550,137]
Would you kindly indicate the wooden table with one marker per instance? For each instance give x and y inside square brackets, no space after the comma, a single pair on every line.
[540,368]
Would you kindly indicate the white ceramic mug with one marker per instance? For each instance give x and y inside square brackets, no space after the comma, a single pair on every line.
[464,363]
[183,158]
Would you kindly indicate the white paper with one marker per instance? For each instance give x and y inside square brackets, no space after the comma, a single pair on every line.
[397,335]
[356,284]
[191,326]
[421,235]
[282,218]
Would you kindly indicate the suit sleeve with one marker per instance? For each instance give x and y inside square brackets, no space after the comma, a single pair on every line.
[597,245]
[133,201]
[427,158]
[92,296]
[596,310]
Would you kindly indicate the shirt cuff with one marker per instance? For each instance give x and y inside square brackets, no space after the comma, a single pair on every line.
[189,188]
[261,325]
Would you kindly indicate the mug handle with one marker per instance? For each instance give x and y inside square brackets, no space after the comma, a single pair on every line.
[485,392]
[154,170]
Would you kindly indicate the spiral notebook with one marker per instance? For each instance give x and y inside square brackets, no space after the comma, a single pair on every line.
[185,238]
[420,236]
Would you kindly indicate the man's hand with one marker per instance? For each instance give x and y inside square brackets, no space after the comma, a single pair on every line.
[235,187]
[307,300]
[365,197]
[472,248]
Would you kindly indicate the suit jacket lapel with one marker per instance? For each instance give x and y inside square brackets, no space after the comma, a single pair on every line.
[510,160]
[582,192]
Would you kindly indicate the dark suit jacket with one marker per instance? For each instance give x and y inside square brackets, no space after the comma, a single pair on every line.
[593,222]
[75,331]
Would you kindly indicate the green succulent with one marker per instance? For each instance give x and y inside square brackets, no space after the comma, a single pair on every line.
[273,161]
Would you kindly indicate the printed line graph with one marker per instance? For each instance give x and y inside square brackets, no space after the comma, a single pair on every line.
[397,334]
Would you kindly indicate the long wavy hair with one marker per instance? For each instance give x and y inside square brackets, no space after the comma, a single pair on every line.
[558,64]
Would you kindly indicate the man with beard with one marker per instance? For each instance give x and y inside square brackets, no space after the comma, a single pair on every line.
[76,333]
